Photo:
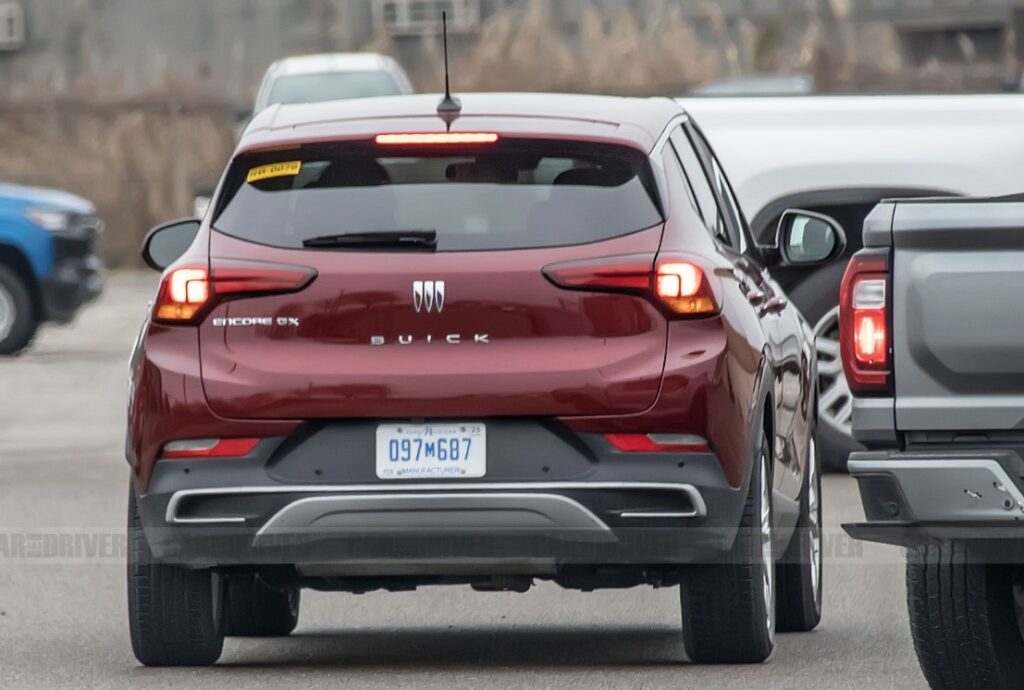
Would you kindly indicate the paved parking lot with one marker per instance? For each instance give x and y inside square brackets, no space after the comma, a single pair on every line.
[63,488]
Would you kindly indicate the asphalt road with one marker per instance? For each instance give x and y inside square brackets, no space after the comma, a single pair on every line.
[63,618]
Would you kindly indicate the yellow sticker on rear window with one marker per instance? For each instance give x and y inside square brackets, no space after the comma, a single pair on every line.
[266,172]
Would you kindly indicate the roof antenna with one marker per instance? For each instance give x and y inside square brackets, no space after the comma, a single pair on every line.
[450,107]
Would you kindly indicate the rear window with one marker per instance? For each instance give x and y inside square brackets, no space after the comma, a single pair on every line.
[515,194]
[331,86]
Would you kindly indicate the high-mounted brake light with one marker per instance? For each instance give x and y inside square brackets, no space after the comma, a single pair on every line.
[864,323]
[189,292]
[680,285]
[210,448]
[436,139]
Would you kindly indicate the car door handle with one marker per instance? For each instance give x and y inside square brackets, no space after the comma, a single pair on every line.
[756,297]
[774,305]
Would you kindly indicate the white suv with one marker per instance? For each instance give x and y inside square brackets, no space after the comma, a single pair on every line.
[331,76]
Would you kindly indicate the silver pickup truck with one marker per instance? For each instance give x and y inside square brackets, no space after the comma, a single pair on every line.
[932,341]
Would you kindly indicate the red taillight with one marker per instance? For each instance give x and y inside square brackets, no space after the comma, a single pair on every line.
[678,284]
[683,287]
[657,443]
[864,323]
[210,448]
[437,139]
[183,295]
[189,292]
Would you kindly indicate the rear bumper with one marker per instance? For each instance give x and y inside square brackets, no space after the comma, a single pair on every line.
[918,497]
[635,511]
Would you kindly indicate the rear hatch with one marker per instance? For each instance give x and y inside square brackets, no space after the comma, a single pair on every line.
[430,298]
[958,315]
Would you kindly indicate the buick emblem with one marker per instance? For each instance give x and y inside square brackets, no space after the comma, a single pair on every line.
[428,296]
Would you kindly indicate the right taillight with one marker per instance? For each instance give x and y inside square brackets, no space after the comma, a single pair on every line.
[683,287]
[678,284]
[864,324]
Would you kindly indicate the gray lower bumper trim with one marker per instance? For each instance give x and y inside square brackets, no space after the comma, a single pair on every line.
[370,493]
[945,489]
[450,512]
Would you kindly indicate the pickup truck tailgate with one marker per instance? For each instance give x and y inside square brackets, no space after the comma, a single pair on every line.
[958,314]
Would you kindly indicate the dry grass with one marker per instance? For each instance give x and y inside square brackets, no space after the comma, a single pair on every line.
[130,159]
[139,162]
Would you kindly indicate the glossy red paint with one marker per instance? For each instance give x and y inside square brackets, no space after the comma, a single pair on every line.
[507,342]
[632,122]
[167,402]
[600,362]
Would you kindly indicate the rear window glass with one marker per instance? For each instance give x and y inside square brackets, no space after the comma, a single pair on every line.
[330,86]
[511,195]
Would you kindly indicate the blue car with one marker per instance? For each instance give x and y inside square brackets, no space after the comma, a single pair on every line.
[48,266]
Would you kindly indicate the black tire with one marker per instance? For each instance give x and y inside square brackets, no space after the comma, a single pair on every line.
[964,618]
[728,607]
[255,609]
[175,615]
[798,577]
[835,447]
[14,296]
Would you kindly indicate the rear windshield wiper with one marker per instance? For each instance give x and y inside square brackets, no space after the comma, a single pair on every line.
[422,240]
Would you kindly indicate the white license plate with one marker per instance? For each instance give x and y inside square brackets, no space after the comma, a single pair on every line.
[431,451]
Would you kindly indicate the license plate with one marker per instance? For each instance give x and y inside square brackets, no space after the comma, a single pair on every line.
[431,451]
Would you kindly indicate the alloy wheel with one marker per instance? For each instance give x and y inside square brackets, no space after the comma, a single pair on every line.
[835,401]
[767,559]
[814,529]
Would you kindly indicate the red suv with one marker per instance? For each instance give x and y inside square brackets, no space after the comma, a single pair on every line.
[529,340]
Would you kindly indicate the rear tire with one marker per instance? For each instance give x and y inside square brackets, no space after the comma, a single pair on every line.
[729,608]
[255,609]
[175,615]
[17,317]
[966,617]
[799,575]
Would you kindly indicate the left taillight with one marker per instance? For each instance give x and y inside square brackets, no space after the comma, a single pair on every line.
[187,293]
[864,324]
[678,284]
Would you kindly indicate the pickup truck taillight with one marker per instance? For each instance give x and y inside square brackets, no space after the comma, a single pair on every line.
[864,324]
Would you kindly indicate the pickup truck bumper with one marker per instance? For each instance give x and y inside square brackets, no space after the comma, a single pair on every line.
[918,497]
[76,278]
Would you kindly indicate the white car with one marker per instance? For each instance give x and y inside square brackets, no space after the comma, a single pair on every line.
[318,78]
[841,155]
[331,77]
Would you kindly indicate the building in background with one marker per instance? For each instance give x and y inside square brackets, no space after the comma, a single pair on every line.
[127,47]
[132,103]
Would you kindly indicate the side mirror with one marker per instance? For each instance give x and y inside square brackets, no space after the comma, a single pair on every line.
[243,114]
[166,243]
[806,238]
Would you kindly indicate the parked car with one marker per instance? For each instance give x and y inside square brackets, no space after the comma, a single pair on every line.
[319,78]
[841,155]
[758,85]
[48,266]
[331,76]
[931,341]
[533,345]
